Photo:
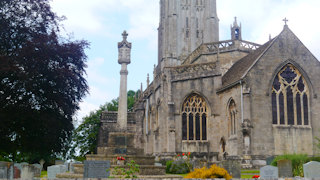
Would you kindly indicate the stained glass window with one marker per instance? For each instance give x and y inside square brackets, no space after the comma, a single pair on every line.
[194,118]
[290,98]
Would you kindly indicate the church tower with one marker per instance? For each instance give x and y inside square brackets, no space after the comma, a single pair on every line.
[184,25]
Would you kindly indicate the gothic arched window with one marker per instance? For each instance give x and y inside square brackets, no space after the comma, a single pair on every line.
[194,118]
[290,97]
[232,111]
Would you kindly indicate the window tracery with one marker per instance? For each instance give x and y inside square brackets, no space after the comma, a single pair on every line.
[232,111]
[194,118]
[290,98]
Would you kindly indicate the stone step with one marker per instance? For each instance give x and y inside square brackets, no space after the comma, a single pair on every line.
[145,170]
[141,160]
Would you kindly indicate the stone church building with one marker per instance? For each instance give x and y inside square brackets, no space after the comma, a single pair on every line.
[220,99]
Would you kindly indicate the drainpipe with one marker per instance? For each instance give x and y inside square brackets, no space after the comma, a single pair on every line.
[241,101]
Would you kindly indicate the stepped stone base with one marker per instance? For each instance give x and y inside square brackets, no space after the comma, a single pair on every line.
[141,160]
[144,170]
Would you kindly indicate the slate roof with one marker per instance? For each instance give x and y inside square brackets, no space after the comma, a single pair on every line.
[239,69]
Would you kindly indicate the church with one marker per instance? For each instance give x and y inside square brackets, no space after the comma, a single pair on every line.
[223,99]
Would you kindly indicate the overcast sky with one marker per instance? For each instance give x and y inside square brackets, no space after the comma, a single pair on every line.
[101,22]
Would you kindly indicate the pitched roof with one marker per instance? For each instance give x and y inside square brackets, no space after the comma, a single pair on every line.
[242,66]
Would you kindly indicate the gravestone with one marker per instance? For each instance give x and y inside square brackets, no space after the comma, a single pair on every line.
[311,169]
[17,170]
[41,162]
[269,172]
[5,170]
[96,169]
[17,173]
[285,168]
[36,168]
[233,167]
[67,164]
[55,169]
[27,171]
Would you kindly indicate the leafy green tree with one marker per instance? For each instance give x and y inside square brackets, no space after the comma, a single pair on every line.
[41,81]
[318,144]
[85,136]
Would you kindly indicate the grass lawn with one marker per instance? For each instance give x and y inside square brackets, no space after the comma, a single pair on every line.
[250,171]
[246,176]
[43,174]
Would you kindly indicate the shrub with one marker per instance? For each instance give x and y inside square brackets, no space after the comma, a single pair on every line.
[129,172]
[168,166]
[297,161]
[213,172]
[314,159]
[179,166]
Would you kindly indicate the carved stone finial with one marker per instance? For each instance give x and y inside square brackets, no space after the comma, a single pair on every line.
[270,37]
[235,21]
[124,35]
[148,81]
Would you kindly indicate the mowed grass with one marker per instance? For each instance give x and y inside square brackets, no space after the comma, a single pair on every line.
[43,174]
[250,171]
[245,176]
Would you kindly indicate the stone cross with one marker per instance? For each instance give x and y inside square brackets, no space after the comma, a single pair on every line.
[285,21]
[124,48]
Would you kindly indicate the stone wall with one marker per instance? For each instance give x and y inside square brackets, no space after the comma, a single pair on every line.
[271,139]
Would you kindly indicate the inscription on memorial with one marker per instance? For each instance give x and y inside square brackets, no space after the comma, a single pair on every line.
[285,168]
[269,172]
[311,169]
[120,141]
[96,169]
[120,151]
[233,167]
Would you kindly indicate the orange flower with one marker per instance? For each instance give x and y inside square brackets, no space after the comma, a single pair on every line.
[188,153]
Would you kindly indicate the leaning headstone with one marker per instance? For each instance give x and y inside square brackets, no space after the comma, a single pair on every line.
[52,171]
[41,162]
[285,168]
[269,172]
[96,169]
[311,169]
[233,167]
